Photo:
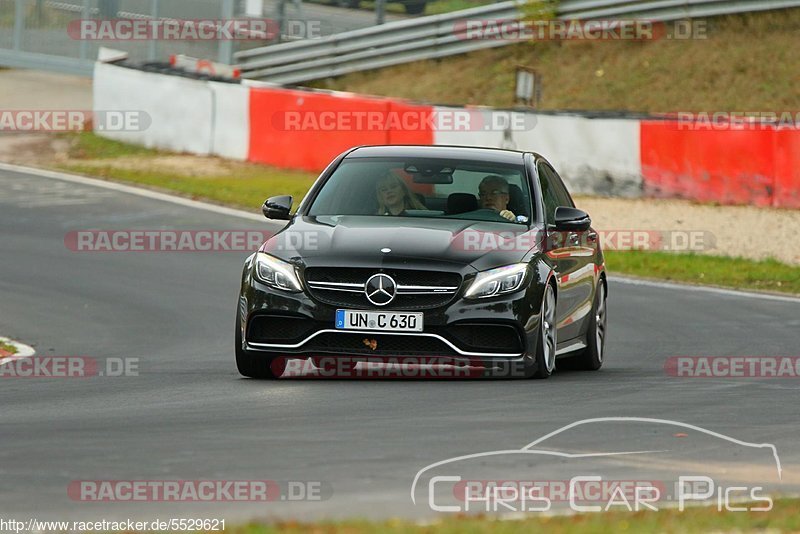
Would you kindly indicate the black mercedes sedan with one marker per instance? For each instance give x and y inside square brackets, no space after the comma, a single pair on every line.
[473,256]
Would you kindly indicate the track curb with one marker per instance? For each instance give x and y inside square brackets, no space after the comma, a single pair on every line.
[23,351]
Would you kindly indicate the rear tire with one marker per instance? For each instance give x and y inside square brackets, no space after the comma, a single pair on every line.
[591,358]
[256,365]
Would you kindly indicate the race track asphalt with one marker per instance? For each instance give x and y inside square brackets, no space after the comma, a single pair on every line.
[188,415]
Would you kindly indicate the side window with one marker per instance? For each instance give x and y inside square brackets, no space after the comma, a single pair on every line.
[559,189]
[554,193]
[549,198]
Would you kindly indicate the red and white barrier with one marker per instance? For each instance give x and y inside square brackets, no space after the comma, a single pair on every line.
[305,129]
[187,115]
[729,165]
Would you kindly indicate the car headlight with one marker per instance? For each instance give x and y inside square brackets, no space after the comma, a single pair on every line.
[277,273]
[497,281]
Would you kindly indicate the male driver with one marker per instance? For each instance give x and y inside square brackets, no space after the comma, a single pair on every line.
[493,194]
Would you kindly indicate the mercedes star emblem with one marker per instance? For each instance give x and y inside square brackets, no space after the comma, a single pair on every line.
[380,289]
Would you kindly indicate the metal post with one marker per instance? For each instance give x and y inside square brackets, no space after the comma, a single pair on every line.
[226,45]
[39,12]
[19,23]
[152,49]
[109,9]
[87,13]
[380,11]
[281,19]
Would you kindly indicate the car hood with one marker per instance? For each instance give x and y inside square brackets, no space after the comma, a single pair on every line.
[363,240]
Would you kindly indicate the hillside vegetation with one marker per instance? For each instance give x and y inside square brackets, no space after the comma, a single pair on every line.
[745,63]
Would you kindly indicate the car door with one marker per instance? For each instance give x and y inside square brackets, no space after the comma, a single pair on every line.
[572,257]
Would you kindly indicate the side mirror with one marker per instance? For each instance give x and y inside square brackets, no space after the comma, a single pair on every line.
[572,219]
[277,207]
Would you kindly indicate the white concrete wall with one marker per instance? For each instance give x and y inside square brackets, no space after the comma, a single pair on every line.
[599,156]
[186,115]
[231,138]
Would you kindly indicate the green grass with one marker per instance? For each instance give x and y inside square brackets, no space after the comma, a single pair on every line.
[246,192]
[784,517]
[87,145]
[737,273]
[243,185]
[438,7]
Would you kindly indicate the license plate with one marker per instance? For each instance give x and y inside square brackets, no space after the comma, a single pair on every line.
[371,320]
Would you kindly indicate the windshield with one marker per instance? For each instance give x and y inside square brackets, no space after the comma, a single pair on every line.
[437,188]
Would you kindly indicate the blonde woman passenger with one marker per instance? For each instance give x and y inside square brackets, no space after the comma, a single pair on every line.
[394,196]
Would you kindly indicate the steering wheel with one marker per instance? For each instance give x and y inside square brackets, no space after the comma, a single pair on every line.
[493,211]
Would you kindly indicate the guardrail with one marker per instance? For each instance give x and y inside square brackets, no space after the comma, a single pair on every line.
[435,36]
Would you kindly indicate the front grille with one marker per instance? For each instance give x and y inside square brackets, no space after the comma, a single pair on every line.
[355,297]
[279,329]
[501,338]
[401,276]
[400,302]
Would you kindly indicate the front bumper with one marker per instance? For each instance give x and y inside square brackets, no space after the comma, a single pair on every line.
[295,325]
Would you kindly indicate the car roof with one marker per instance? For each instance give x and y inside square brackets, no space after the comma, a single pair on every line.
[492,155]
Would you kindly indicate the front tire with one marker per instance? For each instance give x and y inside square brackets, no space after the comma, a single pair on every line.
[255,365]
[591,358]
[545,359]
